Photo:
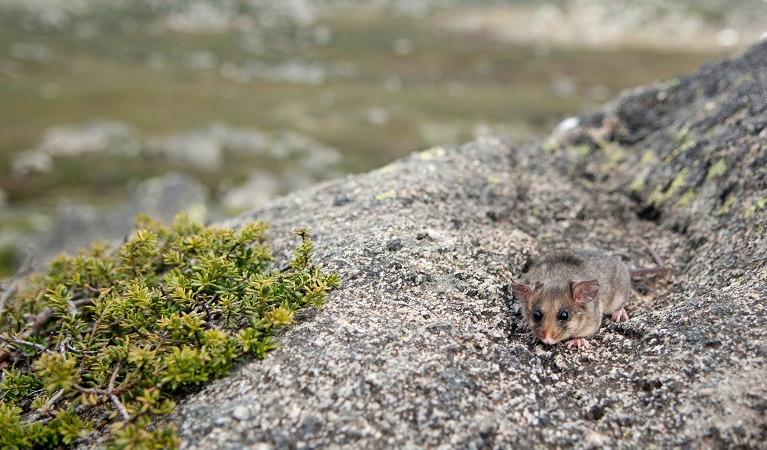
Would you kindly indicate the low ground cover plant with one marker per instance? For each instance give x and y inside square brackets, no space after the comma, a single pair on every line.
[104,340]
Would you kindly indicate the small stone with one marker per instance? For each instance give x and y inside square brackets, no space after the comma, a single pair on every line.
[240,413]
[594,439]
[431,234]
[566,125]
[394,245]
[221,421]
[341,200]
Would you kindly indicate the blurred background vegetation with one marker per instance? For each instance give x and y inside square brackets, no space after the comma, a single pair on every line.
[256,98]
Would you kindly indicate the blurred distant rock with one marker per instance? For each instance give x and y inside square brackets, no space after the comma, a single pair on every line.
[165,196]
[32,161]
[196,148]
[300,160]
[317,158]
[255,192]
[261,187]
[202,16]
[208,147]
[187,16]
[605,23]
[694,25]
[315,161]
[76,225]
[200,60]
[97,136]
[92,137]
[297,70]
[28,51]
[239,139]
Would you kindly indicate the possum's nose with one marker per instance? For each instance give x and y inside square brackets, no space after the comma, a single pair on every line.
[548,340]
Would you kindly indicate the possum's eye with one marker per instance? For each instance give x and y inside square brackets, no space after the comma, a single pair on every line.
[563,315]
[537,315]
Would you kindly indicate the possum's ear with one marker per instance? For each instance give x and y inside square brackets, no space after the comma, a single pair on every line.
[585,291]
[523,292]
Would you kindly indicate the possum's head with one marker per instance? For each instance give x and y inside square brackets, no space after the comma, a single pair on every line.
[556,311]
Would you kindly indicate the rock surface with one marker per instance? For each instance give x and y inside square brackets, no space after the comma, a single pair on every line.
[421,346]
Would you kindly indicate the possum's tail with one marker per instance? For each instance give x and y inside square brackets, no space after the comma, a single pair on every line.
[661,269]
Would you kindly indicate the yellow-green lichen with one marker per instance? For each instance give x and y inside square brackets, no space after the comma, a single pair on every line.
[727,206]
[386,195]
[637,184]
[668,84]
[679,150]
[614,153]
[551,145]
[648,157]
[688,143]
[758,205]
[685,143]
[686,198]
[432,153]
[656,197]
[659,196]
[717,170]
[678,182]
[582,149]
[389,167]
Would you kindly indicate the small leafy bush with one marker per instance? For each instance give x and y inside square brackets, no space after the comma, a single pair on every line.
[102,341]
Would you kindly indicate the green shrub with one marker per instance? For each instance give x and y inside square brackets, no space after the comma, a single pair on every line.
[101,342]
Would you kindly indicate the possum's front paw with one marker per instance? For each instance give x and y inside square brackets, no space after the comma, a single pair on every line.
[580,342]
[620,316]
